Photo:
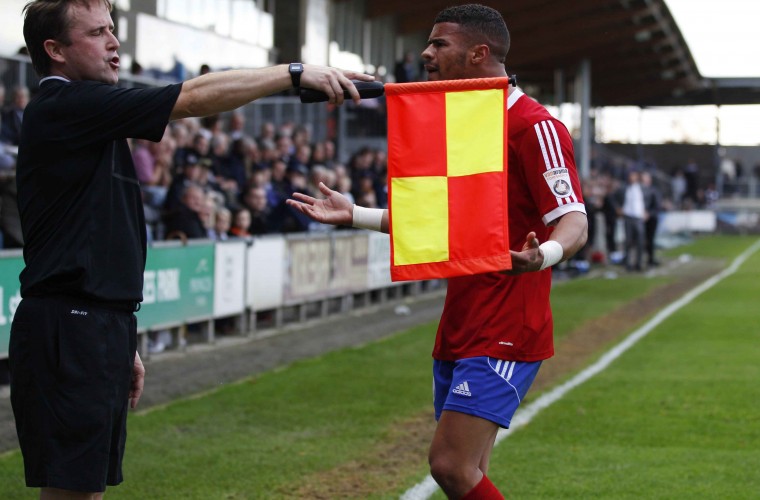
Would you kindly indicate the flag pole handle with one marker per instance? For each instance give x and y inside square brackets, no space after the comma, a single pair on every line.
[366,90]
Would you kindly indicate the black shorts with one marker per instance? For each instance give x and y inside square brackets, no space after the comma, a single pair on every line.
[71,367]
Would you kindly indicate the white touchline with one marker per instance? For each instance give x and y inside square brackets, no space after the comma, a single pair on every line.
[428,486]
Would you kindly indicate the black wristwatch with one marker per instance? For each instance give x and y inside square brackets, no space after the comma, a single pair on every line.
[295,70]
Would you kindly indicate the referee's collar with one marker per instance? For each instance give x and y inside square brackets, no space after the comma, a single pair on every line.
[43,80]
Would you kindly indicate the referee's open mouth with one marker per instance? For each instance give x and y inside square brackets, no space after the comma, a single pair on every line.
[114,62]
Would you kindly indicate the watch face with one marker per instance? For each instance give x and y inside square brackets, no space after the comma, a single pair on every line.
[295,73]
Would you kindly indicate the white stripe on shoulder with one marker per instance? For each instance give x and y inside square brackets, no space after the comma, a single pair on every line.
[539,135]
[556,143]
[550,143]
[514,96]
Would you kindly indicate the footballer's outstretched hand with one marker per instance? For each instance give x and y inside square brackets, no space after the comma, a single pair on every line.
[529,258]
[333,209]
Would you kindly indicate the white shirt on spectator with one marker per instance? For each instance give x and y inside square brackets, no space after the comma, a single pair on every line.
[633,205]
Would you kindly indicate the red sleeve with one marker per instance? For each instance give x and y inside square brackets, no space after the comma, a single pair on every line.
[547,154]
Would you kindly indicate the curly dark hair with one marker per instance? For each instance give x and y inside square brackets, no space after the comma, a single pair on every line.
[482,25]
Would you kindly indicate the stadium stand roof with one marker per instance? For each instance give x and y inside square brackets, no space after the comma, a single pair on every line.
[637,52]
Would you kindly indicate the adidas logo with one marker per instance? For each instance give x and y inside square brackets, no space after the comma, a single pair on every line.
[462,389]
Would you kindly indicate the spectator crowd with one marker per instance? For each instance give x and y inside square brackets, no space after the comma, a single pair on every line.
[208,178]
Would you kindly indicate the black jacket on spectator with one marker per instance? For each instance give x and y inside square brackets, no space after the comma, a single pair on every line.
[186,221]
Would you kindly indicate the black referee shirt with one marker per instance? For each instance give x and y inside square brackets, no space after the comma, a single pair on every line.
[78,194]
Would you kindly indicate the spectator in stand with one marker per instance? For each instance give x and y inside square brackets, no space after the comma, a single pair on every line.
[652,205]
[360,166]
[186,221]
[153,164]
[286,129]
[343,183]
[610,211]
[728,174]
[201,145]
[10,226]
[241,221]
[14,115]
[236,126]
[406,69]
[691,172]
[633,211]
[208,181]
[678,188]
[319,155]
[221,167]
[143,158]
[10,223]
[253,154]
[189,173]
[292,220]
[243,158]
[297,179]
[330,154]
[208,214]
[182,136]
[301,157]
[268,136]
[7,158]
[285,149]
[380,167]
[255,200]
[279,189]
[7,150]
[222,224]
[211,125]
[593,195]
[364,192]
[261,177]
[301,137]
[269,155]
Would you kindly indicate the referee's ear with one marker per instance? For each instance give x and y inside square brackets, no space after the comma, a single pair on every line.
[53,48]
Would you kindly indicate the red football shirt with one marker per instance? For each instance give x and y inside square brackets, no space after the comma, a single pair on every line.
[509,317]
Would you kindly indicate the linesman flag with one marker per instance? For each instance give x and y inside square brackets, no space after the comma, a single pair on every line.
[447,178]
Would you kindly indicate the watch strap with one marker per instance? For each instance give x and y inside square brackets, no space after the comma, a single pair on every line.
[295,70]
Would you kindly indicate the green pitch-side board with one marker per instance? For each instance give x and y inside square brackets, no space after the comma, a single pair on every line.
[179,286]
[10,268]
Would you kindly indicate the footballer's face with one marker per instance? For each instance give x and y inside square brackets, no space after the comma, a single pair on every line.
[446,54]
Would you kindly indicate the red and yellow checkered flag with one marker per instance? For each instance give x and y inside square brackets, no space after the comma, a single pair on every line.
[447,178]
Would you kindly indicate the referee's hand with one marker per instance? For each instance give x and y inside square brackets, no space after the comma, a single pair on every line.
[138,381]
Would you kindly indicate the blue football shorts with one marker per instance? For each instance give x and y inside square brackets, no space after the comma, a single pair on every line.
[484,387]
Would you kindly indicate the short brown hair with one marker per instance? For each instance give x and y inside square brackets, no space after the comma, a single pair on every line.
[48,20]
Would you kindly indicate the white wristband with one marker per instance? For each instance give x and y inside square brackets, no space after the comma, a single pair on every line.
[368,218]
[553,253]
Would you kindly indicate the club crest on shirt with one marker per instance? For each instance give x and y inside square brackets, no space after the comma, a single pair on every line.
[558,180]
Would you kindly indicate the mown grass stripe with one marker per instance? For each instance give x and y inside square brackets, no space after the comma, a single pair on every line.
[428,486]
